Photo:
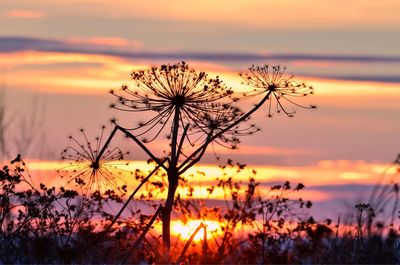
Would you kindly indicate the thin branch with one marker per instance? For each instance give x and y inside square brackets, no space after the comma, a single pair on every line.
[179,151]
[106,143]
[131,197]
[185,248]
[195,160]
[130,135]
[147,228]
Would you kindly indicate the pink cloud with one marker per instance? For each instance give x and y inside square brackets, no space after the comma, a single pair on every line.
[267,150]
[25,14]
[106,41]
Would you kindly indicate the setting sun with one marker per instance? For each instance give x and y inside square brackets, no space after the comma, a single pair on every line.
[185,230]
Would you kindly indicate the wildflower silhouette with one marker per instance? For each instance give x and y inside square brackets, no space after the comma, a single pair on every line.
[195,111]
[90,168]
[210,124]
[273,80]
[168,90]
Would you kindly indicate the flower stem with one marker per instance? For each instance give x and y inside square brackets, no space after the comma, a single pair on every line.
[237,122]
[174,139]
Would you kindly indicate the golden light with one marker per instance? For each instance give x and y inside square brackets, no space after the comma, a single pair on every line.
[325,173]
[185,230]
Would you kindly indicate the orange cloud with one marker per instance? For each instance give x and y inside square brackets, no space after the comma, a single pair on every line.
[328,172]
[81,79]
[96,73]
[25,14]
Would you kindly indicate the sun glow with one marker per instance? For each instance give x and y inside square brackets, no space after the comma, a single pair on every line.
[185,230]
[201,177]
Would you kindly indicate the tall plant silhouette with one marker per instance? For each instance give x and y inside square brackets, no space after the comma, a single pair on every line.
[196,111]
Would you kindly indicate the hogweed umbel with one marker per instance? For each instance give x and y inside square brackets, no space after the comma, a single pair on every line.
[91,169]
[212,124]
[278,84]
[166,89]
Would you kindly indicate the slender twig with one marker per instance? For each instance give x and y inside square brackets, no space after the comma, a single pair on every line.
[130,135]
[143,234]
[205,245]
[152,156]
[147,228]
[193,162]
[185,130]
[185,248]
[106,143]
[131,197]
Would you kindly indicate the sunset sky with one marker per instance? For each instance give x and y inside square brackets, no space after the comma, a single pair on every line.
[60,58]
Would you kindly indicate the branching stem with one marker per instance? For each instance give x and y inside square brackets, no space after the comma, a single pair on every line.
[130,135]
[199,152]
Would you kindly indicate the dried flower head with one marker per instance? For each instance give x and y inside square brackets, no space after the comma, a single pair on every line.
[91,169]
[223,117]
[167,88]
[279,86]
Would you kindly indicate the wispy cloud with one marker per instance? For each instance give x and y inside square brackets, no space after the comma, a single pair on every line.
[25,14]
[268,150]
[14,44]
[130,49]
[362,78]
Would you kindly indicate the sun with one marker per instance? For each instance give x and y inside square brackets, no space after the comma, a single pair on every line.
[185,230]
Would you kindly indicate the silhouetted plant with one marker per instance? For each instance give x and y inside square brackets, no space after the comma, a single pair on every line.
[53,225]
[385,193]
[90,168]
[194,111]
[273,80]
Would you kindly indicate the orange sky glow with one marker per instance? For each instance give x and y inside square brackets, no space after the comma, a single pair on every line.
[340,173]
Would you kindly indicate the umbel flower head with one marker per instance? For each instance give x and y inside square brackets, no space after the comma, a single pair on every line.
[279,86]
[88,168]
[220,123]
[167,89]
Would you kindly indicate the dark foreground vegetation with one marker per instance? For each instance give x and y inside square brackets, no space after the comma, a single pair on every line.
[57,225]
